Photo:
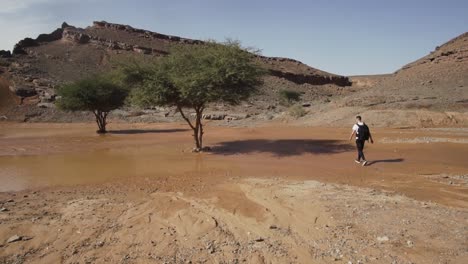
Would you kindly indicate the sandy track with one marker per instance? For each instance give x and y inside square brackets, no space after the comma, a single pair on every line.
[239,221]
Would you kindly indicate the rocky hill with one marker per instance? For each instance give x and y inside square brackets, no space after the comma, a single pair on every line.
[37,66]
[431,91]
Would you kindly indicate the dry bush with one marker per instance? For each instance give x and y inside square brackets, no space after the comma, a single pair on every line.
[297,111]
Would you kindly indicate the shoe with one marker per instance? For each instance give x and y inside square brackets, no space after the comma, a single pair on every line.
[364,163]
[357,161]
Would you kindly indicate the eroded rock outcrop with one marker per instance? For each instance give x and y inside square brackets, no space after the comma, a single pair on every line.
[20,47]
[312,79]
[288,69]
[154,35]
[5,54]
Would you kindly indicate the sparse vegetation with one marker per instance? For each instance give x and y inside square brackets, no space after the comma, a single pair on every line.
[288,97]
[98,94]
[297,111]
[193,76]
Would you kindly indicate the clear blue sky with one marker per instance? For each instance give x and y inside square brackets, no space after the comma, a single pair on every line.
[340,36]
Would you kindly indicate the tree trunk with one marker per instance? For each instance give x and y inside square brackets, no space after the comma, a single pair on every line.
[101,121]
[197,127]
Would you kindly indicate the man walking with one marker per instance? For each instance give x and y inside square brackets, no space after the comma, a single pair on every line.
[362,132]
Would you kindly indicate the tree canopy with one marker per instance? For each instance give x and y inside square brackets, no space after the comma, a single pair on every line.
[193,76]
[99,94]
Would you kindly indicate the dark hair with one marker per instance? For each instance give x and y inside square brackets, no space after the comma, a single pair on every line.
[358,118]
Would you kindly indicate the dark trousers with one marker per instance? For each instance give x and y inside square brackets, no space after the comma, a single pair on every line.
[360,149]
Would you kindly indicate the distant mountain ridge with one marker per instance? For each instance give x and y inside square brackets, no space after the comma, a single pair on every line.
[126,38]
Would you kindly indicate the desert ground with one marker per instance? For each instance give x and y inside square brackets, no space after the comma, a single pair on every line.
[276,193]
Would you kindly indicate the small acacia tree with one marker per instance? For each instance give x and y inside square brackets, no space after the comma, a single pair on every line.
[196,75]
[98,94]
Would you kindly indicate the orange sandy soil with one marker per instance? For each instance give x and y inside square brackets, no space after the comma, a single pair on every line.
[270,194]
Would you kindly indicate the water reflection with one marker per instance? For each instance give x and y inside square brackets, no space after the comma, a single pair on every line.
[22,172]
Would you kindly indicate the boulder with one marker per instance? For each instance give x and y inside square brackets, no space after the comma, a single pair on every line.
[23,91]
[46,105]
[212,116]
[47,97]
[237,117]
[76,35]
[142,50]
[14,238]
[41,82]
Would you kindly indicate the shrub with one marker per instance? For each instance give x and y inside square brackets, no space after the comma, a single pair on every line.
[288,97]
[297,111]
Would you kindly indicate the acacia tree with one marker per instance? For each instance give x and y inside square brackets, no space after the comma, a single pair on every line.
[193,76]
[98,94]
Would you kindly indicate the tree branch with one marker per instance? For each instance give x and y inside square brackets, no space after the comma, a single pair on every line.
[184,117]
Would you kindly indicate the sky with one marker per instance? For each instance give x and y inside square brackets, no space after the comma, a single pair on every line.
[347,37]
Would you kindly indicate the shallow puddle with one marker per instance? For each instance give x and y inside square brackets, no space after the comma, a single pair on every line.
[47,155]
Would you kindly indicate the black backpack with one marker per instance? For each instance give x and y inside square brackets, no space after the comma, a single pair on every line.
[363,132]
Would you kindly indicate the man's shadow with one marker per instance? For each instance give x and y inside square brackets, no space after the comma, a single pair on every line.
[385,161]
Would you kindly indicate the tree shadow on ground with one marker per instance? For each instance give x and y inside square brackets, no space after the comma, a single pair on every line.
[145,131]
[385,161]
[281,147]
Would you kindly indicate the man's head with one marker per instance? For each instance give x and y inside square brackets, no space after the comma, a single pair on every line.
[359,118]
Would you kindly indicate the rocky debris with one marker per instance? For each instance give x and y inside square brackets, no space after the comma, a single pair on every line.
[16,238]
[142,50]
[154,35]
[76,35]
[80,36]
[13,238]
[383,239]
[3,209]
[47,97]
[233,116]
[46,105]
[409,243]
[311,79]
[222,116]
[214,116]
[23,91]
[42,82]
[100,243]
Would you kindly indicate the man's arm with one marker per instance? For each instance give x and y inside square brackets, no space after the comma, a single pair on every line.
[370,138]
[352,135]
